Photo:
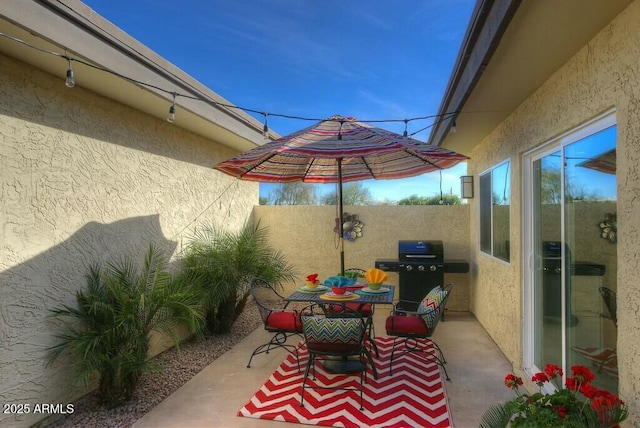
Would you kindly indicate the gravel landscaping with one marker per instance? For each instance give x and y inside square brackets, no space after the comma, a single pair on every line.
[176,369]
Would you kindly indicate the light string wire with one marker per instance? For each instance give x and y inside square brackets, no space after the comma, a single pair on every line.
[441,117]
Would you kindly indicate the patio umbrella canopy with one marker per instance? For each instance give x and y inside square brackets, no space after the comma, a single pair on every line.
[338,150]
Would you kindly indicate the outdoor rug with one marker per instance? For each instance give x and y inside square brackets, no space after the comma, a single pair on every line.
[414,396]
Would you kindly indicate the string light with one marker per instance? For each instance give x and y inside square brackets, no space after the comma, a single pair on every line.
[172,110]
[70,82]
[265,128]
[453,129]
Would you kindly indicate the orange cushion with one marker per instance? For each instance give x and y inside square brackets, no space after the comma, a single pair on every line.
[398,325]
[284,321]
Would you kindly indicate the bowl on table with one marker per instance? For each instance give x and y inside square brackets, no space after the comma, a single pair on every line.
[375,286]
[339,290]
[312,284]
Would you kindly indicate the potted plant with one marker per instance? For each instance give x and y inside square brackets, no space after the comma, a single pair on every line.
[579,404]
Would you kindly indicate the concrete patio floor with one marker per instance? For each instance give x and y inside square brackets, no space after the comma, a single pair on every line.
[211,399]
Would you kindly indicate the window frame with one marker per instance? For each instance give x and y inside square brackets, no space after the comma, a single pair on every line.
[483,208]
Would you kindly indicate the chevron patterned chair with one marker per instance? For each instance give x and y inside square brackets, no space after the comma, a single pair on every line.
[276,318]
[412,330]
[330,334]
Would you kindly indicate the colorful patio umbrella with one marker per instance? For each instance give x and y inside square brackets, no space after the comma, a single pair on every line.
[338,150]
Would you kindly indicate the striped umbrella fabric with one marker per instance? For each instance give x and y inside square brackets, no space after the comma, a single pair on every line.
[338,150]
[311,155]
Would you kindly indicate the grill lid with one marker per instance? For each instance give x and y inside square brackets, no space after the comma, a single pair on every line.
[421,250]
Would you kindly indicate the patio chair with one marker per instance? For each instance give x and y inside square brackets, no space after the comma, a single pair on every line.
[365,311]
[412,330]
[276,318]
[334,334]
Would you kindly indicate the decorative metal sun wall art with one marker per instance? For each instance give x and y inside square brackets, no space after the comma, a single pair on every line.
[351,226]
[609,227]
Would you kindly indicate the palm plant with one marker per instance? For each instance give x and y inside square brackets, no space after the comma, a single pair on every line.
[221,264]
[108,332]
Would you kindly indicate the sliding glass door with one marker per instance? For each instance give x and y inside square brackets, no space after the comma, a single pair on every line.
[570,252]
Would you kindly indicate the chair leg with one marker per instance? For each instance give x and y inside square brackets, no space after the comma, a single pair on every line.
[412,346]
[371,336]
[369,357]
[393,350]
[363,375]
[277,341]
[304,378]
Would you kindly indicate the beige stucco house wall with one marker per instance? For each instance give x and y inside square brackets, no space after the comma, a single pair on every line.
[304,235]
[86,179]
[603,75]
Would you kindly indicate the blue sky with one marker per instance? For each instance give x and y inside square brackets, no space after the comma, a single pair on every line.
[372,60]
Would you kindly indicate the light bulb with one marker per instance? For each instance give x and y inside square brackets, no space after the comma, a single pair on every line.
[70,82]
[172,110]
[453,127]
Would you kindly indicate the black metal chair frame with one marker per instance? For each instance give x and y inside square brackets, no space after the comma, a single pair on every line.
[325,312]
[269,302]
[420,344]
[370,324]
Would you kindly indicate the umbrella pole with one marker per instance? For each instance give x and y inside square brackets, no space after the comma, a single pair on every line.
[341,225]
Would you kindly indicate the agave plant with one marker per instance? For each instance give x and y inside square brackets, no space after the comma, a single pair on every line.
[108,333]
[221,264]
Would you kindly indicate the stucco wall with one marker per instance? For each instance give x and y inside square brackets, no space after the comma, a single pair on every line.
[305,235]
[83,180]
[602,76]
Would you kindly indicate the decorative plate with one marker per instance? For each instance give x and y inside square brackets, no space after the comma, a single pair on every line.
[339,297]
[380,291]
[318,289]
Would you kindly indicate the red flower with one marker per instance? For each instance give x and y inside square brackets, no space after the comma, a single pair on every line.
[604,405]
[552,371]
[512,381]
[571,384]
[589,391]
[582,374]
[561,410]
[539,379]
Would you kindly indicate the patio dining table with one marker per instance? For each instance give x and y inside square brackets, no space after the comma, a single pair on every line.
[360,297]
[363,297]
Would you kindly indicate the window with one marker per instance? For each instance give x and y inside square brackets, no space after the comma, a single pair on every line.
[495,222]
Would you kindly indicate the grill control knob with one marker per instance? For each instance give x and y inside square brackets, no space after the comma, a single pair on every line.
[433,268]
[421,268]
[409,268]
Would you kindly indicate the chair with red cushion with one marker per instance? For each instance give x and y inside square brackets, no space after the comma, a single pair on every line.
[276,318]
[334,334]
[412,330]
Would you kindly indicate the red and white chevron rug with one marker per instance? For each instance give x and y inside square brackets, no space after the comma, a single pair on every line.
[414,396]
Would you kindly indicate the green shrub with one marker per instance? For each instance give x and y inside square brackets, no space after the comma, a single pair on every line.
[108,333]
[221,264]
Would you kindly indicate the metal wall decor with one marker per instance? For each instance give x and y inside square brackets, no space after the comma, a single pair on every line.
[351,226]
[609,227]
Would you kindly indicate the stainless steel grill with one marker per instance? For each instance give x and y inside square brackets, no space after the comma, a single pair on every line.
[420,266]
